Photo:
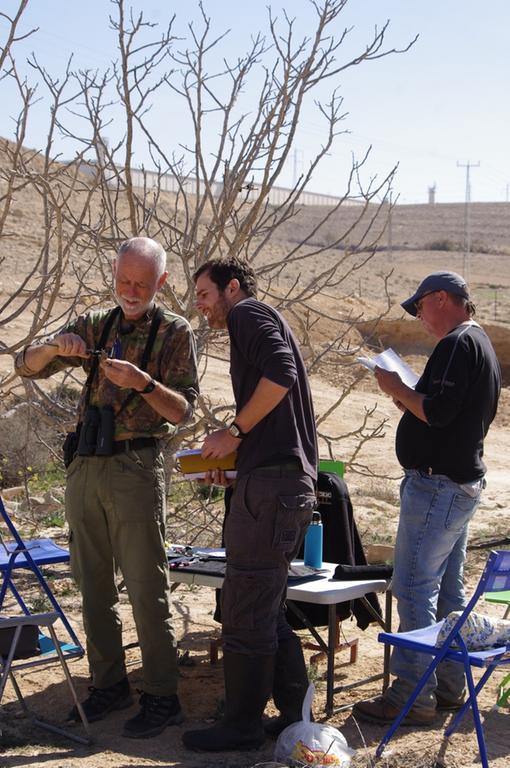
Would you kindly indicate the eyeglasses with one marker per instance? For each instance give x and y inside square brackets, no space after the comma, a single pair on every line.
[419,304]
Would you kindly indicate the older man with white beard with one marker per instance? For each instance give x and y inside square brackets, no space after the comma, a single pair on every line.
[142,384]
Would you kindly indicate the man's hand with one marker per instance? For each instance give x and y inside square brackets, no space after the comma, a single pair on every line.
[219,444]
[217,477]
[37,356]
[68,345]
[389,382]
[404,397]
[124,374]
[171,405]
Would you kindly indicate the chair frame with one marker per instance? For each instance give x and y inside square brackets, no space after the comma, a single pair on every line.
[23,554]
[495,578]
[39,620]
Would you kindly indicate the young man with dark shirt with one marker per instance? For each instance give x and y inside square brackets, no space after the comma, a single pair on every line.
[275,439]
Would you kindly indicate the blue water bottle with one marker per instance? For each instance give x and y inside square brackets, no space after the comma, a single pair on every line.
[313,542]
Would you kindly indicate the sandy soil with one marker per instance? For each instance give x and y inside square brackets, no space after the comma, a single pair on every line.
[375,502]
[376,508]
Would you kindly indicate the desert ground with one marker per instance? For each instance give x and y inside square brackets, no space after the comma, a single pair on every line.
[373,482]
[376,510]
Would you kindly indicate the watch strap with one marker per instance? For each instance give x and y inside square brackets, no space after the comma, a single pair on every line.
[149,387]
[234,427]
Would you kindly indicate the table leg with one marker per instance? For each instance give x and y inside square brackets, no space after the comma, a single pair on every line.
[385,623]
[387,628]
[330,674]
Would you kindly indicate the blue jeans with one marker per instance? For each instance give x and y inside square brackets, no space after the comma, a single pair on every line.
[428,575]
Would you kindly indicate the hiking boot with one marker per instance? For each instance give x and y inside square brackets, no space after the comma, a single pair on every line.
[273,726]
[248,683]
[156,712]
[444,704]
[379,710]
[103,700]
[290,684]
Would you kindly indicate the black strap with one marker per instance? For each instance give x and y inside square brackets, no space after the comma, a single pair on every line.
[156,322]
[100,345]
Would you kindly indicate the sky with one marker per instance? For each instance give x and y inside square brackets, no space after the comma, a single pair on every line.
[433,110]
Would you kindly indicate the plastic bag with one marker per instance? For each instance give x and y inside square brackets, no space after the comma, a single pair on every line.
[306,743]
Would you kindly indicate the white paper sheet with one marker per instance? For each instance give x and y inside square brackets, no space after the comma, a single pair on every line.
[390,361]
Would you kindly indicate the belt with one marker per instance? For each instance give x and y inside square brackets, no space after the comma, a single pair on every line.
[122,446]
[290,465]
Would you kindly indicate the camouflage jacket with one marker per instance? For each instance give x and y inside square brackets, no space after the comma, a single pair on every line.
[173,362]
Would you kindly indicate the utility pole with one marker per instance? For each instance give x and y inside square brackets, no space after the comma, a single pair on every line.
[467,223]
[295,166]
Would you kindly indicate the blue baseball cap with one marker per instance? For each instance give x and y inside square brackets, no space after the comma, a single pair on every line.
[437,281]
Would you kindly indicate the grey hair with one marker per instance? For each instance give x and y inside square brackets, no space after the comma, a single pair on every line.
[466,304]
[148,248]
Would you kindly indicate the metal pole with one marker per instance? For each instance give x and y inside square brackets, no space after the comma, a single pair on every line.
[467,222]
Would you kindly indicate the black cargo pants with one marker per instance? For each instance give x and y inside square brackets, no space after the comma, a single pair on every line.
[269,513]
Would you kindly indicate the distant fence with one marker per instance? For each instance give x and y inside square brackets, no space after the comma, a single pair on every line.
[167,182]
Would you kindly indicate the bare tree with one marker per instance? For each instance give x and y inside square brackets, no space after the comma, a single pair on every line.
[203,198]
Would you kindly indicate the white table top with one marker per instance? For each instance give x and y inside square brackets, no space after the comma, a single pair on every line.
[327,591]
[323,591]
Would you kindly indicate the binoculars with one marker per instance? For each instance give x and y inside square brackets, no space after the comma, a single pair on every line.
[97,432]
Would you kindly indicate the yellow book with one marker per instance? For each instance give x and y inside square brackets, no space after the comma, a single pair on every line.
[191,463]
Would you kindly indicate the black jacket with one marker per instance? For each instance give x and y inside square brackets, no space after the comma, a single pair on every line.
[341,544]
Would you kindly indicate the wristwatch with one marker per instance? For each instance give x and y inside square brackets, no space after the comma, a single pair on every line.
[235,431]
[150,387]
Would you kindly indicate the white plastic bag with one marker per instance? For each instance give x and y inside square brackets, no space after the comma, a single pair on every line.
[306,743]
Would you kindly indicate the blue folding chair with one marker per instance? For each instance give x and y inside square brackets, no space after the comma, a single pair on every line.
[14,626]
[30,555]
[495,578]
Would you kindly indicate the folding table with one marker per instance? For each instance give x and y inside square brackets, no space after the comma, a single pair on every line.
[325,591]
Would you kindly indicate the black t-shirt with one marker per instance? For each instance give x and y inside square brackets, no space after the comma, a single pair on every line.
[263,345]
[462,382]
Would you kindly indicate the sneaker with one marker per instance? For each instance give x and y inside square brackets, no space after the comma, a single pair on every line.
[379,710]
[104,700]
[156,712]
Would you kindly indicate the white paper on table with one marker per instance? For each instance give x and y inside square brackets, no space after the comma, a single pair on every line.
[208,552]
[390,361]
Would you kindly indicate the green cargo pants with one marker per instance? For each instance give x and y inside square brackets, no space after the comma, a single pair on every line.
[115,508]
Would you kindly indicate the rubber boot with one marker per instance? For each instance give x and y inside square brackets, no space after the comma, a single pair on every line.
[289,687]
[248,683]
